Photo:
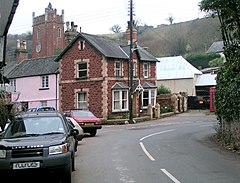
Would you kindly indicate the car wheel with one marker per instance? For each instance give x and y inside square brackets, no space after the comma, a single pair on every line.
[93,133]
[66,176]
[73,163]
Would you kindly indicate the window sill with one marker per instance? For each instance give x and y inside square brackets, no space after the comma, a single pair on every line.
[119,111]
[43,88]
[83,78]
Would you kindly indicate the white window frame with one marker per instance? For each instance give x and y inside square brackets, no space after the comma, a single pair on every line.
[145,70]
[82,70]
[81,45]
[134,69]
[151,97]
[45,81]
[82,104]
[13,84]
[118,70]
[121,101]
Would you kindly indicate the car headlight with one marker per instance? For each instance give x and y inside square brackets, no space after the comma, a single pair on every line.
[59,149]
[3,153]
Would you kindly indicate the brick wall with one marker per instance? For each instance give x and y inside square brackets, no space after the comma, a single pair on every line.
[48,24]
[93,83]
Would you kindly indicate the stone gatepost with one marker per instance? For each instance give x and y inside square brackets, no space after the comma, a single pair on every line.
[174,103]
[180,103]
[157,110]
[150,111]
[185,103]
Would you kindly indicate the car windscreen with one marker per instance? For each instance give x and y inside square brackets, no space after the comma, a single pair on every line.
[34,126]
[82,114]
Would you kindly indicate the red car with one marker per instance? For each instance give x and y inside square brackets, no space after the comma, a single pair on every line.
[86,120]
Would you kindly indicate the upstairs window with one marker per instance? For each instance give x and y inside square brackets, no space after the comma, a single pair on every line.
[134,69]
[82,70]
[81,45]
[118,69]
[13,84]
[44,82]
[145,70]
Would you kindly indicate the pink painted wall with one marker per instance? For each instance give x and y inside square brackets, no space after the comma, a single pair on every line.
[29,90]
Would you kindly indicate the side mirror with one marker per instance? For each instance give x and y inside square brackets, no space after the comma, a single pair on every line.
[74,132]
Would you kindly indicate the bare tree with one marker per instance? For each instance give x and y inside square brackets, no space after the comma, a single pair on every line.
[170,19]
[116,28]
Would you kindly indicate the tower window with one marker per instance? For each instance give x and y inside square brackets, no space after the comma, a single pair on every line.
[59,32]
[38,34]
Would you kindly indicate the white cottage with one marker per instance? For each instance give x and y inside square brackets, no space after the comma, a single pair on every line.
[177,74]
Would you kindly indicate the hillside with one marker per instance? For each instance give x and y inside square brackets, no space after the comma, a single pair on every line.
[194,36]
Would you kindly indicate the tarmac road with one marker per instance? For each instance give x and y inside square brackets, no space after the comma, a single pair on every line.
[176,149]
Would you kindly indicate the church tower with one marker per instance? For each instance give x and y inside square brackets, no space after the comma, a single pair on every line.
[48,33]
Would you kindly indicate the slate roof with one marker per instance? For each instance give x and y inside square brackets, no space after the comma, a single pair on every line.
[34,67]
[108,47]
[206,80]
[120,86]
[144,55]
[149,85]
[175,68]
[9,66]
[216,47]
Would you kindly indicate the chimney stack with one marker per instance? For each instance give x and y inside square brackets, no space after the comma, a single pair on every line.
[134,36]
[21,51]
[70,33]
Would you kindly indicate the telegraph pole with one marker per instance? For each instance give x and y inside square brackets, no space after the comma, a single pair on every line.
[131,65]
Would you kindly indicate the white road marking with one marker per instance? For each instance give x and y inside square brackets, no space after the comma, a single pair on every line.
[170,176]
[156,134]
[150,135]
[146,152]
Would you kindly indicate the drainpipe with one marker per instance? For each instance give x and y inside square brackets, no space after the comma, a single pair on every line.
[56,99]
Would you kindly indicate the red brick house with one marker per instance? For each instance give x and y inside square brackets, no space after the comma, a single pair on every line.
[94,74]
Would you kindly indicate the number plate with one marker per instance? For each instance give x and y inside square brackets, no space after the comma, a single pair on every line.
[89,124]
[200,102]
[26,165]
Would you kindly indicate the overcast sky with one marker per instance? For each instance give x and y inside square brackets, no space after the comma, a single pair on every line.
[98,16]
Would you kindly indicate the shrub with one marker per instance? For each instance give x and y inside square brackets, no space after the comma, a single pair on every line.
[163,90]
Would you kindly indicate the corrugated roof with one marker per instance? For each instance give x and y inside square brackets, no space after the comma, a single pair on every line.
[175,68]
[34,67]
[206,80]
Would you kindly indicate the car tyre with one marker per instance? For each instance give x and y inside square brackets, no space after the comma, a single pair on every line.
[73,162]
[93,133]
[66,176]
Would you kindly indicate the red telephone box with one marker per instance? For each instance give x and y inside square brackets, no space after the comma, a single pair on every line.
[212,99]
